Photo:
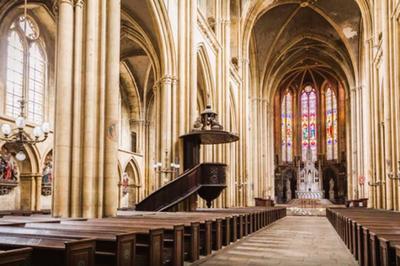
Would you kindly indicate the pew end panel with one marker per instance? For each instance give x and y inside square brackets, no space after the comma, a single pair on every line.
[80,252]
[126,249]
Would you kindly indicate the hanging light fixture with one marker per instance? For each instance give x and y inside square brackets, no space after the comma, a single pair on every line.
[17,135]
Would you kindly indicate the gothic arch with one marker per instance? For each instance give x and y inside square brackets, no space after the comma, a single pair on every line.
[161,18]
[205,79]
[130,91]
[130,183]
[134,167]
[255,9]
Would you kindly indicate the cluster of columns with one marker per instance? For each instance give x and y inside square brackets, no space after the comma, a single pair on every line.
[375,113]
[385,113]
[86,119]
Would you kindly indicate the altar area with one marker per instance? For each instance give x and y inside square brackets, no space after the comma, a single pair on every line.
[309,180]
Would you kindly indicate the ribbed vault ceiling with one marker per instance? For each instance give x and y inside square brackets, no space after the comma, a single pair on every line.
[297,37]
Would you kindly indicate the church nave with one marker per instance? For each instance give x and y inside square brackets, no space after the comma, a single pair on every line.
[293,240]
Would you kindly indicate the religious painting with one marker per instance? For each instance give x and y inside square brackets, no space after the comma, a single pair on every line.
[8,167]
[47,175]
[8,172]
[125,184]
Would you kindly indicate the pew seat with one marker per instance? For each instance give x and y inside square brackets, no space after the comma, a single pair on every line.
[47,251]
[15,257]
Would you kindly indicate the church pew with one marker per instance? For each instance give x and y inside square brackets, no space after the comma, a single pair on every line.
[258,218]
[387,249]
[363,242]
[16,257]
[24,212]
[354,238]
[173,233]
[116,248]
[47,251]
[149,242]
[228,221]
[379,244]
[35,219]
[397,246]
[192,229]
[367,233]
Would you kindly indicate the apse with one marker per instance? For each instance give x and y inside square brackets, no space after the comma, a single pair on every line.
[305,59]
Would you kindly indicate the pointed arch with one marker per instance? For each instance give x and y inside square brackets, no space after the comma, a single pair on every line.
[206,77]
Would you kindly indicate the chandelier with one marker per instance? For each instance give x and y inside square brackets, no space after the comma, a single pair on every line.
[19,137]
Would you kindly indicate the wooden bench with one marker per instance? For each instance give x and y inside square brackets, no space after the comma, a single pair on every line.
[114,248]
[48,251]
[173,233]
[397,246]
[16,257]
[149,242]
[191,229]
[371,235]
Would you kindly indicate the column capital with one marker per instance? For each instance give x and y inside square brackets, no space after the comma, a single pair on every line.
[79,3]
[225,21]
[57,4]
[166,80]
[133,122]
[71,2]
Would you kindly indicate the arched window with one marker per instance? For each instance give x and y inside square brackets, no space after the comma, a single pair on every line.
[287,128]
[309,122]
[331,125]
[26,69]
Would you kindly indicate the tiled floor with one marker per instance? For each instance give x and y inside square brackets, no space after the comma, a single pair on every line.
[294,240]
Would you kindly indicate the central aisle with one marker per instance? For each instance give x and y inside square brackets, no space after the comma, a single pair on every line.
[294,240]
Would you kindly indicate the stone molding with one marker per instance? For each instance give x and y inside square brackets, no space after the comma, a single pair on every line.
[207,32]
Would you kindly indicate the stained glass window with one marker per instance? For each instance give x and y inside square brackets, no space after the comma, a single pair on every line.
[26,68]
[15,72]
[309,123]
[36,83]
[287,128]
[331,125]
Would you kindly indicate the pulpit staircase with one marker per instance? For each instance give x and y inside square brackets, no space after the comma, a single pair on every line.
[207,180]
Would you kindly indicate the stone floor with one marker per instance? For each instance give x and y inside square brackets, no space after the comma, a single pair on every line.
[294,240]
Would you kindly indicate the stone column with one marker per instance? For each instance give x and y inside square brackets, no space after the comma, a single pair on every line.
[63,112]
[396,55]
[111,108]
[387,103]
[367,141]
[360,140]
[245,149]
[354,152]
[38,194]
[90,111]
[28,192]
[76,164]
[158,133]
